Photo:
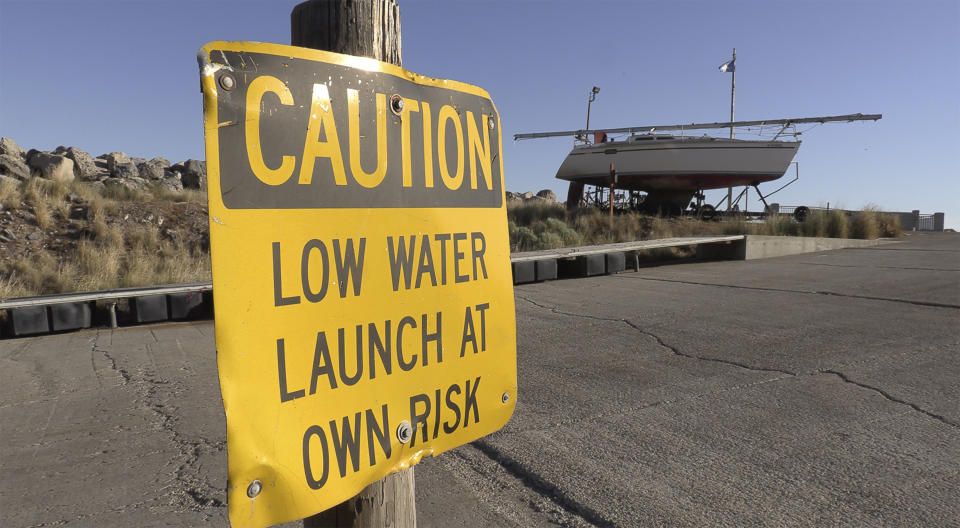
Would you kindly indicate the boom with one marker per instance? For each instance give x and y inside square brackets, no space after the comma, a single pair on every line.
[701,126]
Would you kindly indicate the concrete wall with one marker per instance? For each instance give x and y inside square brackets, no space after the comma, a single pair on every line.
[908,221]
[759,246]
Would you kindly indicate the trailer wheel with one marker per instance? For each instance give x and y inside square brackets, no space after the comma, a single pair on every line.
[800,213]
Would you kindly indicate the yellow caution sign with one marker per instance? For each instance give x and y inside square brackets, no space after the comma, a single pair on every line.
[361,271]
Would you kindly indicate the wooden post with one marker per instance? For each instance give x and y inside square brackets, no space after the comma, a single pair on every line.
[385,503]
[613,186]
[366,28]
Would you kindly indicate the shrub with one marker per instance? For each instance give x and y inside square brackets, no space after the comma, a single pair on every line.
[527,212]
[541,225]
[865,225]
[567,234]
[549,240]
[814,225]
[660,227]
[778,225]
[889,225]
[525,239]
[835,223]
[736,225]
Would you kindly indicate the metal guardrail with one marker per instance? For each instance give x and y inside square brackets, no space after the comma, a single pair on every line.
[67,305]
[106,295]
[622,247]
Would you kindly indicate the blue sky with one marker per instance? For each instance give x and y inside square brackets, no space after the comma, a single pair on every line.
[122,75]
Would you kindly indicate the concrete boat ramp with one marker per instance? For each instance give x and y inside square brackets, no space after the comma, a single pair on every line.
[812,389]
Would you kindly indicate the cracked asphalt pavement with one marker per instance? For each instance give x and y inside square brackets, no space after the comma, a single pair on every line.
[816,389]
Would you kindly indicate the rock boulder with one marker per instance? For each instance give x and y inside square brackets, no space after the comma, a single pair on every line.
[83,165]
[6,180]
[13,167]
[194,174]
[132,183]
[97,186]
[171,180]
[9,147]
[152,169]
[51,166]
[125,169]
[114,159]
[548,195]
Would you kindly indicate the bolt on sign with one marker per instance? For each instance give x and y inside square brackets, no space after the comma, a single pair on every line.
[361,270]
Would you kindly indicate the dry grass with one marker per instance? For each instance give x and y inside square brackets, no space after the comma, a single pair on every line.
[9,195]
[36,191]
[778,225]
[865,225]
[13,286]
[831,223]
[123,194]
[186,195]
[890,226]
[111,252]
[872,223]
[540,225]
[152,193]
[98,266]
[525,213]
[41,212]
[43,273]
[138,258]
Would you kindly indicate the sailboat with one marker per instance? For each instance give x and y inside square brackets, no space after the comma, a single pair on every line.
[673,168]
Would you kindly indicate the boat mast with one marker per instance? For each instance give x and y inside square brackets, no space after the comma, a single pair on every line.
[703,126]
[593,95]
[733,87]
[733,91]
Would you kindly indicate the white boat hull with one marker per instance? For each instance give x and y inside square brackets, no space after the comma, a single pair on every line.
[679,164]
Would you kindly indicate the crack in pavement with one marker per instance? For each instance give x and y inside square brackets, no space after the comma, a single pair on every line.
[785,290]
[535,482]
[528,475]
[124,375]
[189,450]
[194,491]
[888,396]
[876,267]
[749,367]
[660,341]
[905,249]
[703,358]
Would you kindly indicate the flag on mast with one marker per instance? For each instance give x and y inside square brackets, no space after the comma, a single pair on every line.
[728,66]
